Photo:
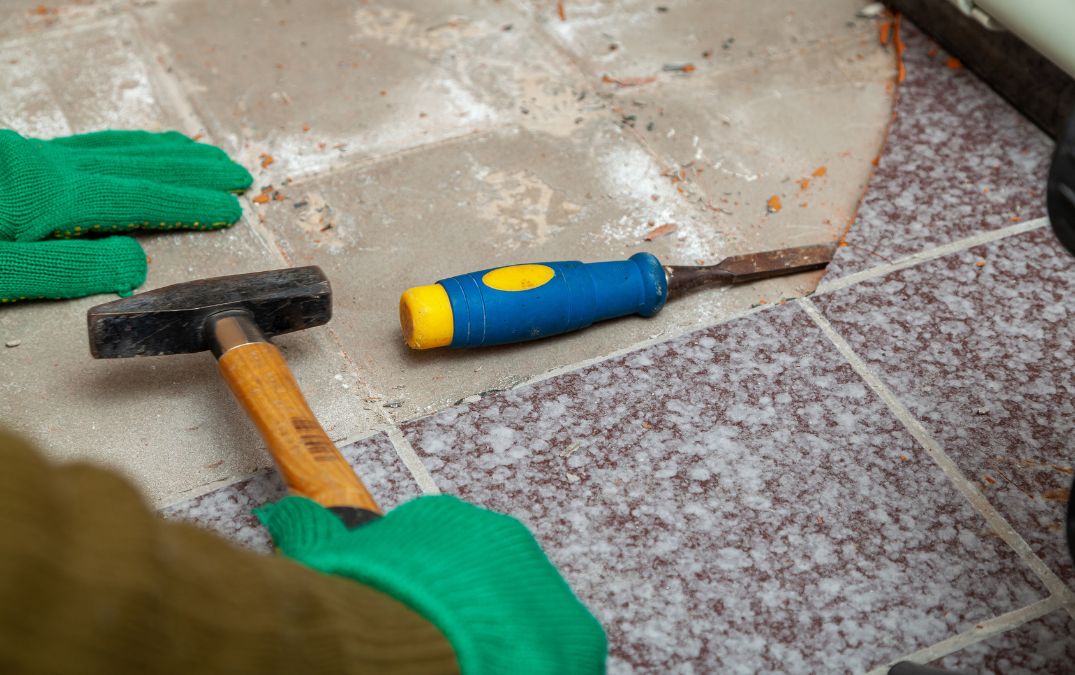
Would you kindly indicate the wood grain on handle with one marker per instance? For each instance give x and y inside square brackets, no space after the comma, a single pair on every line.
[309,461]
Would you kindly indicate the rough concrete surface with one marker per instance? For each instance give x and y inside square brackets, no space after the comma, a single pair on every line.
[433,139]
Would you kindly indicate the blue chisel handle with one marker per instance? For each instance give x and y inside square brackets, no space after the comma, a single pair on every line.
[527,302]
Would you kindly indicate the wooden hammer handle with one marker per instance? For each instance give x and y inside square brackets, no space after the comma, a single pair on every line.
[309,461]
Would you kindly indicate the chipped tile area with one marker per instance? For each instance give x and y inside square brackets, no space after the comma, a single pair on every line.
[360,80]
[734,499]
[84,79]
[770,150]
[229,510]
[638,38]
[958,161]
[1042,647]
[978,346]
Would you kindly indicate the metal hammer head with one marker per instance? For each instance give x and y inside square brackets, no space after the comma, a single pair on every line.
[172,320]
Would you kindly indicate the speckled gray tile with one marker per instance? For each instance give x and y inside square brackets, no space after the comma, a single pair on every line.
[958,160]
[735,500]
[984,357]
[1042,647]
[228,511]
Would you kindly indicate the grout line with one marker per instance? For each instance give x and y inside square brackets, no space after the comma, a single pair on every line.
[970,491]
[413,462]
[981,631]
[356,162]
[930,254]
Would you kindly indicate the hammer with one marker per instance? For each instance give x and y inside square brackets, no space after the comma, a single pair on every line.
[234,317]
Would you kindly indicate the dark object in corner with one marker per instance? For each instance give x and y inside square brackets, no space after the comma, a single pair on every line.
[1031,83]
[1060,202]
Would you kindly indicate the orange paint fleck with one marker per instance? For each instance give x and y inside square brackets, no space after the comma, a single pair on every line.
[820,171]
[904,458]
[382,93]
[953,63]
[842,243]
[1015,219]
[261,199]
[688,68]
[876,160]
[804,183]
[196,137]
[266,160]
[560,10]
[980,263]
[306,128]
[884,31]
[900,47]
[774,204]
[660,231]
[278,197]
[628,81]
[40,10]
[932,52]
[990,480]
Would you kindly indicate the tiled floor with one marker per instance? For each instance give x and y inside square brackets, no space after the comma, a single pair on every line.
[820,485]
[412,141]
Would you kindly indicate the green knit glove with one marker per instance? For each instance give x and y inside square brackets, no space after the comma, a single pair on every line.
[479,576]
[109,181]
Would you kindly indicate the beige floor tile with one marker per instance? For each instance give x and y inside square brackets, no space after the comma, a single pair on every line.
[637,38]
[803,129]
[308,84]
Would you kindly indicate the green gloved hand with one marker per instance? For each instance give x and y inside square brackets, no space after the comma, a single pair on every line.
[479,576]
[109,181]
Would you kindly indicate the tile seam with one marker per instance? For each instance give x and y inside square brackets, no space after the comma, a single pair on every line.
[970,492]
[928,254]
[409,456]
[983,630]
[356,162]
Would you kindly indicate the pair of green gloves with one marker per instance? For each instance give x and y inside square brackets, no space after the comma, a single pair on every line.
[479,576]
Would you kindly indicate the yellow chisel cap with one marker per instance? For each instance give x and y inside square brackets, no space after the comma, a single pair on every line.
[425,313]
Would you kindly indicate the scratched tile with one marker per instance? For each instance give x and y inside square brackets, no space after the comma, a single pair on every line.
[958,161]
[637,38]
[228,510]
[360,80]
[1045,646]
[735,500]
[771,147]
[984,357]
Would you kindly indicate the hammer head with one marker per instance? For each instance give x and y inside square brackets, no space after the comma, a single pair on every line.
[172,320]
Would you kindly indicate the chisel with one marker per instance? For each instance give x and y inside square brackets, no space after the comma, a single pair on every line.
[526,302]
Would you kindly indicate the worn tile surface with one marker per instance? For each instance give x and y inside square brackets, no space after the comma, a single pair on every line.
[734,500]
[228,510]
[1042,647]
[959,160]
[647,36]
[361,79]
[482,202]
[802,128]
[983,356]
